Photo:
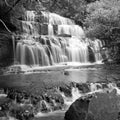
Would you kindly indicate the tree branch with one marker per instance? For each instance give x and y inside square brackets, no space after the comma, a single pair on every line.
[5,26]
[13,6]
[7,4]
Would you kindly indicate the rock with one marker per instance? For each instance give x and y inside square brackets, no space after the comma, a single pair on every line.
[78,110]
[66,90]
[22,112]
[35,100]
[84,87]
[44,29]
[54,99]
[14,14]
[118,84]
[66,73]
[2,114]
[6,49]
[104,85]
[91,56]
[100,106]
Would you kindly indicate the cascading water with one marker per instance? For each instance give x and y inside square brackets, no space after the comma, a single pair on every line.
[58,40]
[97,45]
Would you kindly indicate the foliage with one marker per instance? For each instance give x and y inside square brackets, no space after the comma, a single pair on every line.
[103,20]
[74,9]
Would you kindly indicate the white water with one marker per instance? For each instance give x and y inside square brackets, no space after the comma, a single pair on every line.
[49,48]
[69,100]
[73,30]
[77,94]
[55,19]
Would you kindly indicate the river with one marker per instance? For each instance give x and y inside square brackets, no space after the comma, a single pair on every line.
[99,73]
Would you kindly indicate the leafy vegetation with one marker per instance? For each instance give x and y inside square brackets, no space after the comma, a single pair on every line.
[103,20]
[73,9]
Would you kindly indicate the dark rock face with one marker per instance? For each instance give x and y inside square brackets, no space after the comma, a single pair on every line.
[101,106]
[91,56]
[12,12]
[6,49]
[66,89]
[83,87]
[78,110]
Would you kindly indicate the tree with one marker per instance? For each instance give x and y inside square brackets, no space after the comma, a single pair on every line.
[73,9]
[103,20]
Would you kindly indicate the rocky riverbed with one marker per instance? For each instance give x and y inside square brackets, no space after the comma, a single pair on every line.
[97,106]
[54,102]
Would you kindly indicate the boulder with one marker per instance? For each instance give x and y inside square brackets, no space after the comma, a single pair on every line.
[98,106]
[78,110]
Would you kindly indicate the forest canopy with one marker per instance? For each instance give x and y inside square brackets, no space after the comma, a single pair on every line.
[100,18]
[103,20]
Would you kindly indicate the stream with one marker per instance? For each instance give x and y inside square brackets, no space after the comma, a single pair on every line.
[100,73]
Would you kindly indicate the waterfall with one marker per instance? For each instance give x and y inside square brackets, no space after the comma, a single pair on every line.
[73,30]
[55,19]
[56,40]
[97,46]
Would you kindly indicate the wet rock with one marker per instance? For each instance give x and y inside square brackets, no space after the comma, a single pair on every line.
[66,90]
[25,112]
[91,56]
[2,114]
[51,100]
[44,29]
[4,104]
[118,84]
[66,73]
[40,18]
[19,98]
[78,110]
[84,87]
[90,116]
[11,94]
[35,100]
[54,99]
[100,106]
[95,86]
[6,49]
[44,106]
[104,85]
[73,84]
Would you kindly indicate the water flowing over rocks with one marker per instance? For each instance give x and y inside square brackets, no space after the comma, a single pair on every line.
[100,103]
[23,106]
[47,39]
[96,106]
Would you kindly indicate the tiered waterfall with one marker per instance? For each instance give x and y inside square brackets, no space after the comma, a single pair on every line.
[48,38]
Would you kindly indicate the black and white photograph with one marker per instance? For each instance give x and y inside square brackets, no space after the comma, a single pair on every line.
[59,59]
